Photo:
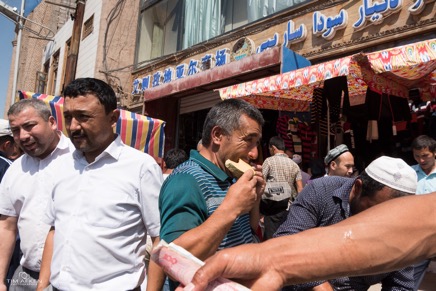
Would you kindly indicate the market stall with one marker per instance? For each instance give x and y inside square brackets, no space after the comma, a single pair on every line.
[141,132]
[361,88]
[392,71]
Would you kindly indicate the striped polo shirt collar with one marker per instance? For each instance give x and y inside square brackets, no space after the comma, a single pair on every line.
[208,166]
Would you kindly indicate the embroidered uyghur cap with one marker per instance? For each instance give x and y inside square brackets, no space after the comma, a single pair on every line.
[394,173]
[334,153]
[4,128]
[297,158]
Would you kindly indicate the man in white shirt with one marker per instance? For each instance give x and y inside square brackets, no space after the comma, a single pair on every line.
[26,188]
[105,204]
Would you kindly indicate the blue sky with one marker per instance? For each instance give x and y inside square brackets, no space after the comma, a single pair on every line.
[7,35]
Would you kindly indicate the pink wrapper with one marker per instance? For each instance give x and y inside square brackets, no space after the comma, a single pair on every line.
[181,265]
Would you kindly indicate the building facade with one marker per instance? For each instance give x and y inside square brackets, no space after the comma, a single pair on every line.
[96,39]
[40,26]
[186,50]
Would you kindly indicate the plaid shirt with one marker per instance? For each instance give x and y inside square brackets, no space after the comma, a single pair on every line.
[280,168]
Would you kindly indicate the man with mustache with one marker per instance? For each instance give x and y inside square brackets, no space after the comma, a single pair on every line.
[105,204]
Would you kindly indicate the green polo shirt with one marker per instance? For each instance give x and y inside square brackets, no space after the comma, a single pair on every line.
[191,194]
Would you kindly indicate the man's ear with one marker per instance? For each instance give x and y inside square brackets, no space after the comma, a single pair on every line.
[357,189]
[52,122]
[333,165]
[5,145]
[115,115]
[217,134]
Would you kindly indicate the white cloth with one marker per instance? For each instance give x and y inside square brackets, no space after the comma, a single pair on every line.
[102,212]
[24,192]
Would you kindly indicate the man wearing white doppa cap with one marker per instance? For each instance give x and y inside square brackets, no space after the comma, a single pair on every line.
[8,147]
[331,199]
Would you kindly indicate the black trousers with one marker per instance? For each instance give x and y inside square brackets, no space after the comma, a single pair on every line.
[272,222]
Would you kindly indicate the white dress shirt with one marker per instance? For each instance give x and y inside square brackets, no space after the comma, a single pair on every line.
[24,193]
[102,212]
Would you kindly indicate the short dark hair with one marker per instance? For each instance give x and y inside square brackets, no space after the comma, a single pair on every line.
[102,90]
[6,138]
[278,142]
[40,107]
[317,168]
[226,114]
[370,187]
[174,157]
[424,141]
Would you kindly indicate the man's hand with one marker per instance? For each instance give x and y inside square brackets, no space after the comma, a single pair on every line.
[243,195]
[2,286]
[261,184]
[244,264]
[323,287]
[8,235]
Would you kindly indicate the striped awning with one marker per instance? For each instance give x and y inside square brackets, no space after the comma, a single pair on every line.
[138,131]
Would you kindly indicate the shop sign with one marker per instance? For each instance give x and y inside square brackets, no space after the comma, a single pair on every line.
[374,13]
[269,43]
[370,13]
[327,26]
[293,35]
[418,6]
[242,48]
[222,57]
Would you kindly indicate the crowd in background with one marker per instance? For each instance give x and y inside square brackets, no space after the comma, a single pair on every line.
[88,209]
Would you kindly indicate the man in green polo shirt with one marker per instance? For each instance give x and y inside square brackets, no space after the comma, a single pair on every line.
[202,208]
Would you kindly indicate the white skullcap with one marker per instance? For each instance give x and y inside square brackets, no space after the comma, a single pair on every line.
[4,128]
[297,158]
[394,173]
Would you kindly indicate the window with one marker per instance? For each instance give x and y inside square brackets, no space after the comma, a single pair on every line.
[41,82]
[53,73]
[168,26]
[88,27]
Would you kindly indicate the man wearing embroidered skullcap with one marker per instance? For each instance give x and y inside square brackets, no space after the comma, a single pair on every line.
[339,161]
[329,200]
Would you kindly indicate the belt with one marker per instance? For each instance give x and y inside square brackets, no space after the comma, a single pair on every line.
[135,289]
[33,274]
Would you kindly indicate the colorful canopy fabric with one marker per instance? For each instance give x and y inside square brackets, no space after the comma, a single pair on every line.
[384,71]
[141,132]
[413,65]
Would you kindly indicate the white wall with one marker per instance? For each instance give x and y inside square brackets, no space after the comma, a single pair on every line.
[87,50]
[52,47]
[88,47]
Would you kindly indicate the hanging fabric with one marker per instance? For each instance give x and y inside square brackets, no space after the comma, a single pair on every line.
[396,125]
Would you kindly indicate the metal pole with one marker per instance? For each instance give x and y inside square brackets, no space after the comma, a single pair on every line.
[17,52]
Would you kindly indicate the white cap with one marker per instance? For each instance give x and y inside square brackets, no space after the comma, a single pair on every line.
[4,128]
[394,173]
[297,158]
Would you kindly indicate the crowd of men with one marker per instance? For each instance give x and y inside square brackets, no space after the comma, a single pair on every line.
[84,206]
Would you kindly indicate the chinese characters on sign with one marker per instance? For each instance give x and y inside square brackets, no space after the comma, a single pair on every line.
[369,12]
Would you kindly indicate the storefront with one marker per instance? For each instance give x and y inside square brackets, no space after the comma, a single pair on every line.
[182,87]
[376,103]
